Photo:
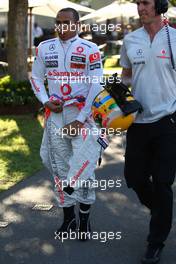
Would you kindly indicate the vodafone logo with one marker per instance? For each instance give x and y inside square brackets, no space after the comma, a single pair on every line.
[66,89]
[163,51]
[79,49]
[94,57]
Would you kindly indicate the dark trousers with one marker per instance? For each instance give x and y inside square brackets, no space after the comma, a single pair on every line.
[150,166]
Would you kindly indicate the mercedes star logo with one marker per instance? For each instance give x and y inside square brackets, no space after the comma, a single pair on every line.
[139,52]
[52,47]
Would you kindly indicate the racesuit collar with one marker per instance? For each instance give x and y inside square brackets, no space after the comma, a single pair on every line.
[69,41]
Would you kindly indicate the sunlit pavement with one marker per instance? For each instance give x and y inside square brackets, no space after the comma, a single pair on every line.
[29,236]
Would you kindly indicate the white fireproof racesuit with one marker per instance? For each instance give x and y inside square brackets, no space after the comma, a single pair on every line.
[73,70]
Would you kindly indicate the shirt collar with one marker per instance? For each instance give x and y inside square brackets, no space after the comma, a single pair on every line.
[163,28]
[69,41]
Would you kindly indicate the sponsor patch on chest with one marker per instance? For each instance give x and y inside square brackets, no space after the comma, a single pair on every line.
[95,66]
[138,62]
[51,64]
[78,59]
[74,65]
[94,57]
[51,57]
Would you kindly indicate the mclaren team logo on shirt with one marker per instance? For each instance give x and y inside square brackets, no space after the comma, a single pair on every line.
[163,54]
[94,57]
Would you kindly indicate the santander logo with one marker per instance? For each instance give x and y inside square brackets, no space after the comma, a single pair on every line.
[56,73]
[79,49]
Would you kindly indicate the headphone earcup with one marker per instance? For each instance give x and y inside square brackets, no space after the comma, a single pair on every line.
[161,6]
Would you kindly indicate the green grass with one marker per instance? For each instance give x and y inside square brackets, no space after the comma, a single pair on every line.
[20,139]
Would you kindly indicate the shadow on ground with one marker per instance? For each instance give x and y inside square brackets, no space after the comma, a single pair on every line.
[29,237]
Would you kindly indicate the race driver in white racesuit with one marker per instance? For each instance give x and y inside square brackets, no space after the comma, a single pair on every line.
[73,70]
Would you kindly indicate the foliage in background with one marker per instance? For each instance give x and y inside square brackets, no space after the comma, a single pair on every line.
[173,2]
[15,93]
[79,1]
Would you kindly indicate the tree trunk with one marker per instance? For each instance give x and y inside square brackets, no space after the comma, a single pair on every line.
[17,39]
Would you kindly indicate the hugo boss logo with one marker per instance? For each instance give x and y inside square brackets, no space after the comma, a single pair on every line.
[51,64]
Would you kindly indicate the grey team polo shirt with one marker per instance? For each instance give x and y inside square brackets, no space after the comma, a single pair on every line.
[153,78]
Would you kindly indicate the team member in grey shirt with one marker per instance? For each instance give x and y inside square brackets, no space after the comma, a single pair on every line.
[148,58]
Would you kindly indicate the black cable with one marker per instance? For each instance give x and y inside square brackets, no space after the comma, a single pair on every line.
[169,43]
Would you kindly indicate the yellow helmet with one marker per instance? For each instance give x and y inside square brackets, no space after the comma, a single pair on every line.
[107,113]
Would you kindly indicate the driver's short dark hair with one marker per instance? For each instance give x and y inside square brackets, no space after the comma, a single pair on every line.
[74,12]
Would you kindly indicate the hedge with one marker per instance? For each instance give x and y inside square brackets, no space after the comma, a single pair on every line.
[15,93]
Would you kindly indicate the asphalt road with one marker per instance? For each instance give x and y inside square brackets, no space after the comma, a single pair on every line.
[29,239]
